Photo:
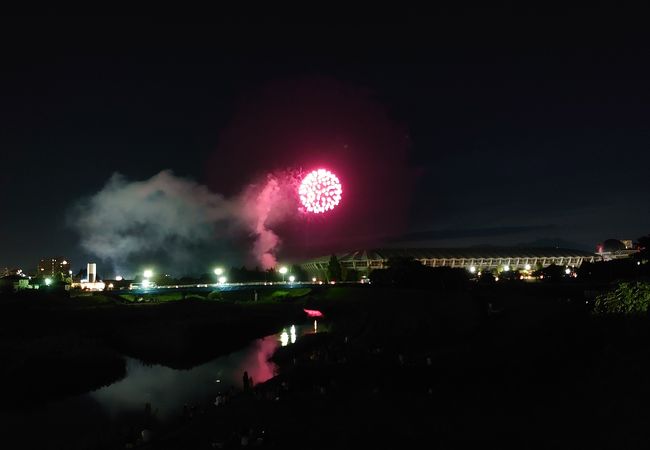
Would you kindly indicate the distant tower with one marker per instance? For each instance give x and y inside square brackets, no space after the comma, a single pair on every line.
[92,272]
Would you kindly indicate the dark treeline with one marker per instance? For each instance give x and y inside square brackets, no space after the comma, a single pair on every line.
[407,272]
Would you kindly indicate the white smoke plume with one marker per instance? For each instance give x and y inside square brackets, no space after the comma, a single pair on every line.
[170,215]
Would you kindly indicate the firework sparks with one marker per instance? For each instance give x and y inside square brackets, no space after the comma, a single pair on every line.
[320,191]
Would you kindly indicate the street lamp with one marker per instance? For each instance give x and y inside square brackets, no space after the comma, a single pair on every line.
[148,273]
[218,271]
[48,281]
[283,271]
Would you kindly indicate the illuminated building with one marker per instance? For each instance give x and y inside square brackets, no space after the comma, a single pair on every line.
[90,283]
[91,271]
[6,271]
[615,249]
[514,258]
[53,266]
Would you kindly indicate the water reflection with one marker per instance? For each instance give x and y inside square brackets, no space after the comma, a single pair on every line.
[167,390]
[104,414]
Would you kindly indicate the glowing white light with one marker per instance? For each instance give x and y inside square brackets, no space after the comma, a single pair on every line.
[284,338]
[292,279]
[48,281]
[527,267]
[222,279]
[218,271]
[64,262]
[148,273]
[320,191]
[472,269]
[567,271]
[313,280]
[118,278]
[292,332]
[506,268]
[146,283]
[283,270]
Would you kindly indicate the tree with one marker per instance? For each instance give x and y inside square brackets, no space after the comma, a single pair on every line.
[644,247]
[351,275]
[334,269]
[298,272]
[627,298]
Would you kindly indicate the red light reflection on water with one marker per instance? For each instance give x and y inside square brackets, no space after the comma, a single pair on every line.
[257,363]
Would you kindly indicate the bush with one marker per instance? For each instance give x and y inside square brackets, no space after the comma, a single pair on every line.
[215,295]
[627,298]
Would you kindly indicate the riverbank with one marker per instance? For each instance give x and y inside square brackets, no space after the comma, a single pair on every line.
[52,346]
[533,370]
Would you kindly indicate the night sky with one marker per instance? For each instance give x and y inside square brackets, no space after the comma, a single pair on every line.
[451,130]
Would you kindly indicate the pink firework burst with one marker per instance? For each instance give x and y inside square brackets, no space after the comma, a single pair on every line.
[320,191]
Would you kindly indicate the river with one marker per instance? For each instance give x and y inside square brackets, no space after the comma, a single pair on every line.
[105,415]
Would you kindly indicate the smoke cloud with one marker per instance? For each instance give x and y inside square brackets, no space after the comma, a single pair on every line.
[171,216]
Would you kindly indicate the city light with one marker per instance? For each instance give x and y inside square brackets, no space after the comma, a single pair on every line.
[506,268]
[567,271]
[218,271]
[222,280]
[148,273]
[472,269]
[146,283]
[283,270]
[292,279]
[118,278]
[48,281]
[527,267]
